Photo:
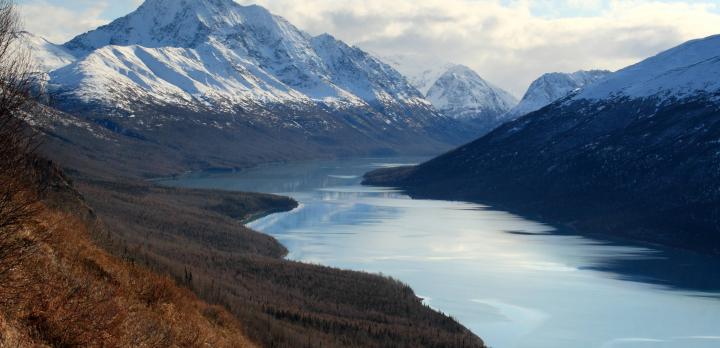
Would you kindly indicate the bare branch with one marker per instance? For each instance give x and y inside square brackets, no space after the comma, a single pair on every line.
[18,194]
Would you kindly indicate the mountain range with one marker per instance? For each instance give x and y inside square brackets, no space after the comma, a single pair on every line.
[197,80]
[200,80]
[635,154]
[213,84]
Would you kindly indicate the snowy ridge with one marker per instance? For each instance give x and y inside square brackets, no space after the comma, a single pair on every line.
[172,75]
[47,56]
[553,86]
[680,72]
[219,54]
[462,94]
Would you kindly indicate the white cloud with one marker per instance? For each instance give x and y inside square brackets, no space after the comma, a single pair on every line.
[58,23]
[509,42]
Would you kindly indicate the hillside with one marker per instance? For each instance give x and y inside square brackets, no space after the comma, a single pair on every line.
[633,155]
[57,287]
[65,291]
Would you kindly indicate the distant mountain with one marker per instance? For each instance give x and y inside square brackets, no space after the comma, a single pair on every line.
[457,91]
[636,154]
[465,96]
[186,74]
[553,86]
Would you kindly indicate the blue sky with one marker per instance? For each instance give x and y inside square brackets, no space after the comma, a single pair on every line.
[509,42]
[111,9]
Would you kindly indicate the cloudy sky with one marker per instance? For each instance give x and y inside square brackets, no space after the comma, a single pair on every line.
[509,42]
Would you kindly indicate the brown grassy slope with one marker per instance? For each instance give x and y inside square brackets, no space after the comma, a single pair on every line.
[72,293]
[191,235]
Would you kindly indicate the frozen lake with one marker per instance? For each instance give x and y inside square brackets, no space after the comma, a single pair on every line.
[514,282]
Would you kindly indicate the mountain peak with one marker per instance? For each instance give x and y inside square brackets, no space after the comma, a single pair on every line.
[464,72]
[207,11]
[461,82]
[461,70]
[170,5]
[176,23]
[462,94]
[552,86]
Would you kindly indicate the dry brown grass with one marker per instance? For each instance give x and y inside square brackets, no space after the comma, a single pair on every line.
[73,294]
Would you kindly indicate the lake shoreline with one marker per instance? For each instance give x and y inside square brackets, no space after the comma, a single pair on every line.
[466,267]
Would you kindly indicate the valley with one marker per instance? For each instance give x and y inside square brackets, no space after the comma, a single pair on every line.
[209,173]
[496,272]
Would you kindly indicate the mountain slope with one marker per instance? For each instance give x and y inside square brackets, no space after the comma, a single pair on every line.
[198,80]
[634,155]
[463,95]
[553,86]
[60,289]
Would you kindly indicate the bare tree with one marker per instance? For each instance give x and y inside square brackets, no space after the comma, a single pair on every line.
[18,198]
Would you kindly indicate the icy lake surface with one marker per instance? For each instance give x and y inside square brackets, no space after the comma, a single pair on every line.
[512,281]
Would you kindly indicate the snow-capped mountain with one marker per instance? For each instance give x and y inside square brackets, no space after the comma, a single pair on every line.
[462,94]
[687,71]
[172,66]
[456,90]
[635,154]
[553,86]
[220,53]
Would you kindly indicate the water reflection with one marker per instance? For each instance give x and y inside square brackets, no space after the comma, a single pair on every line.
[515,282]
[675,269]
